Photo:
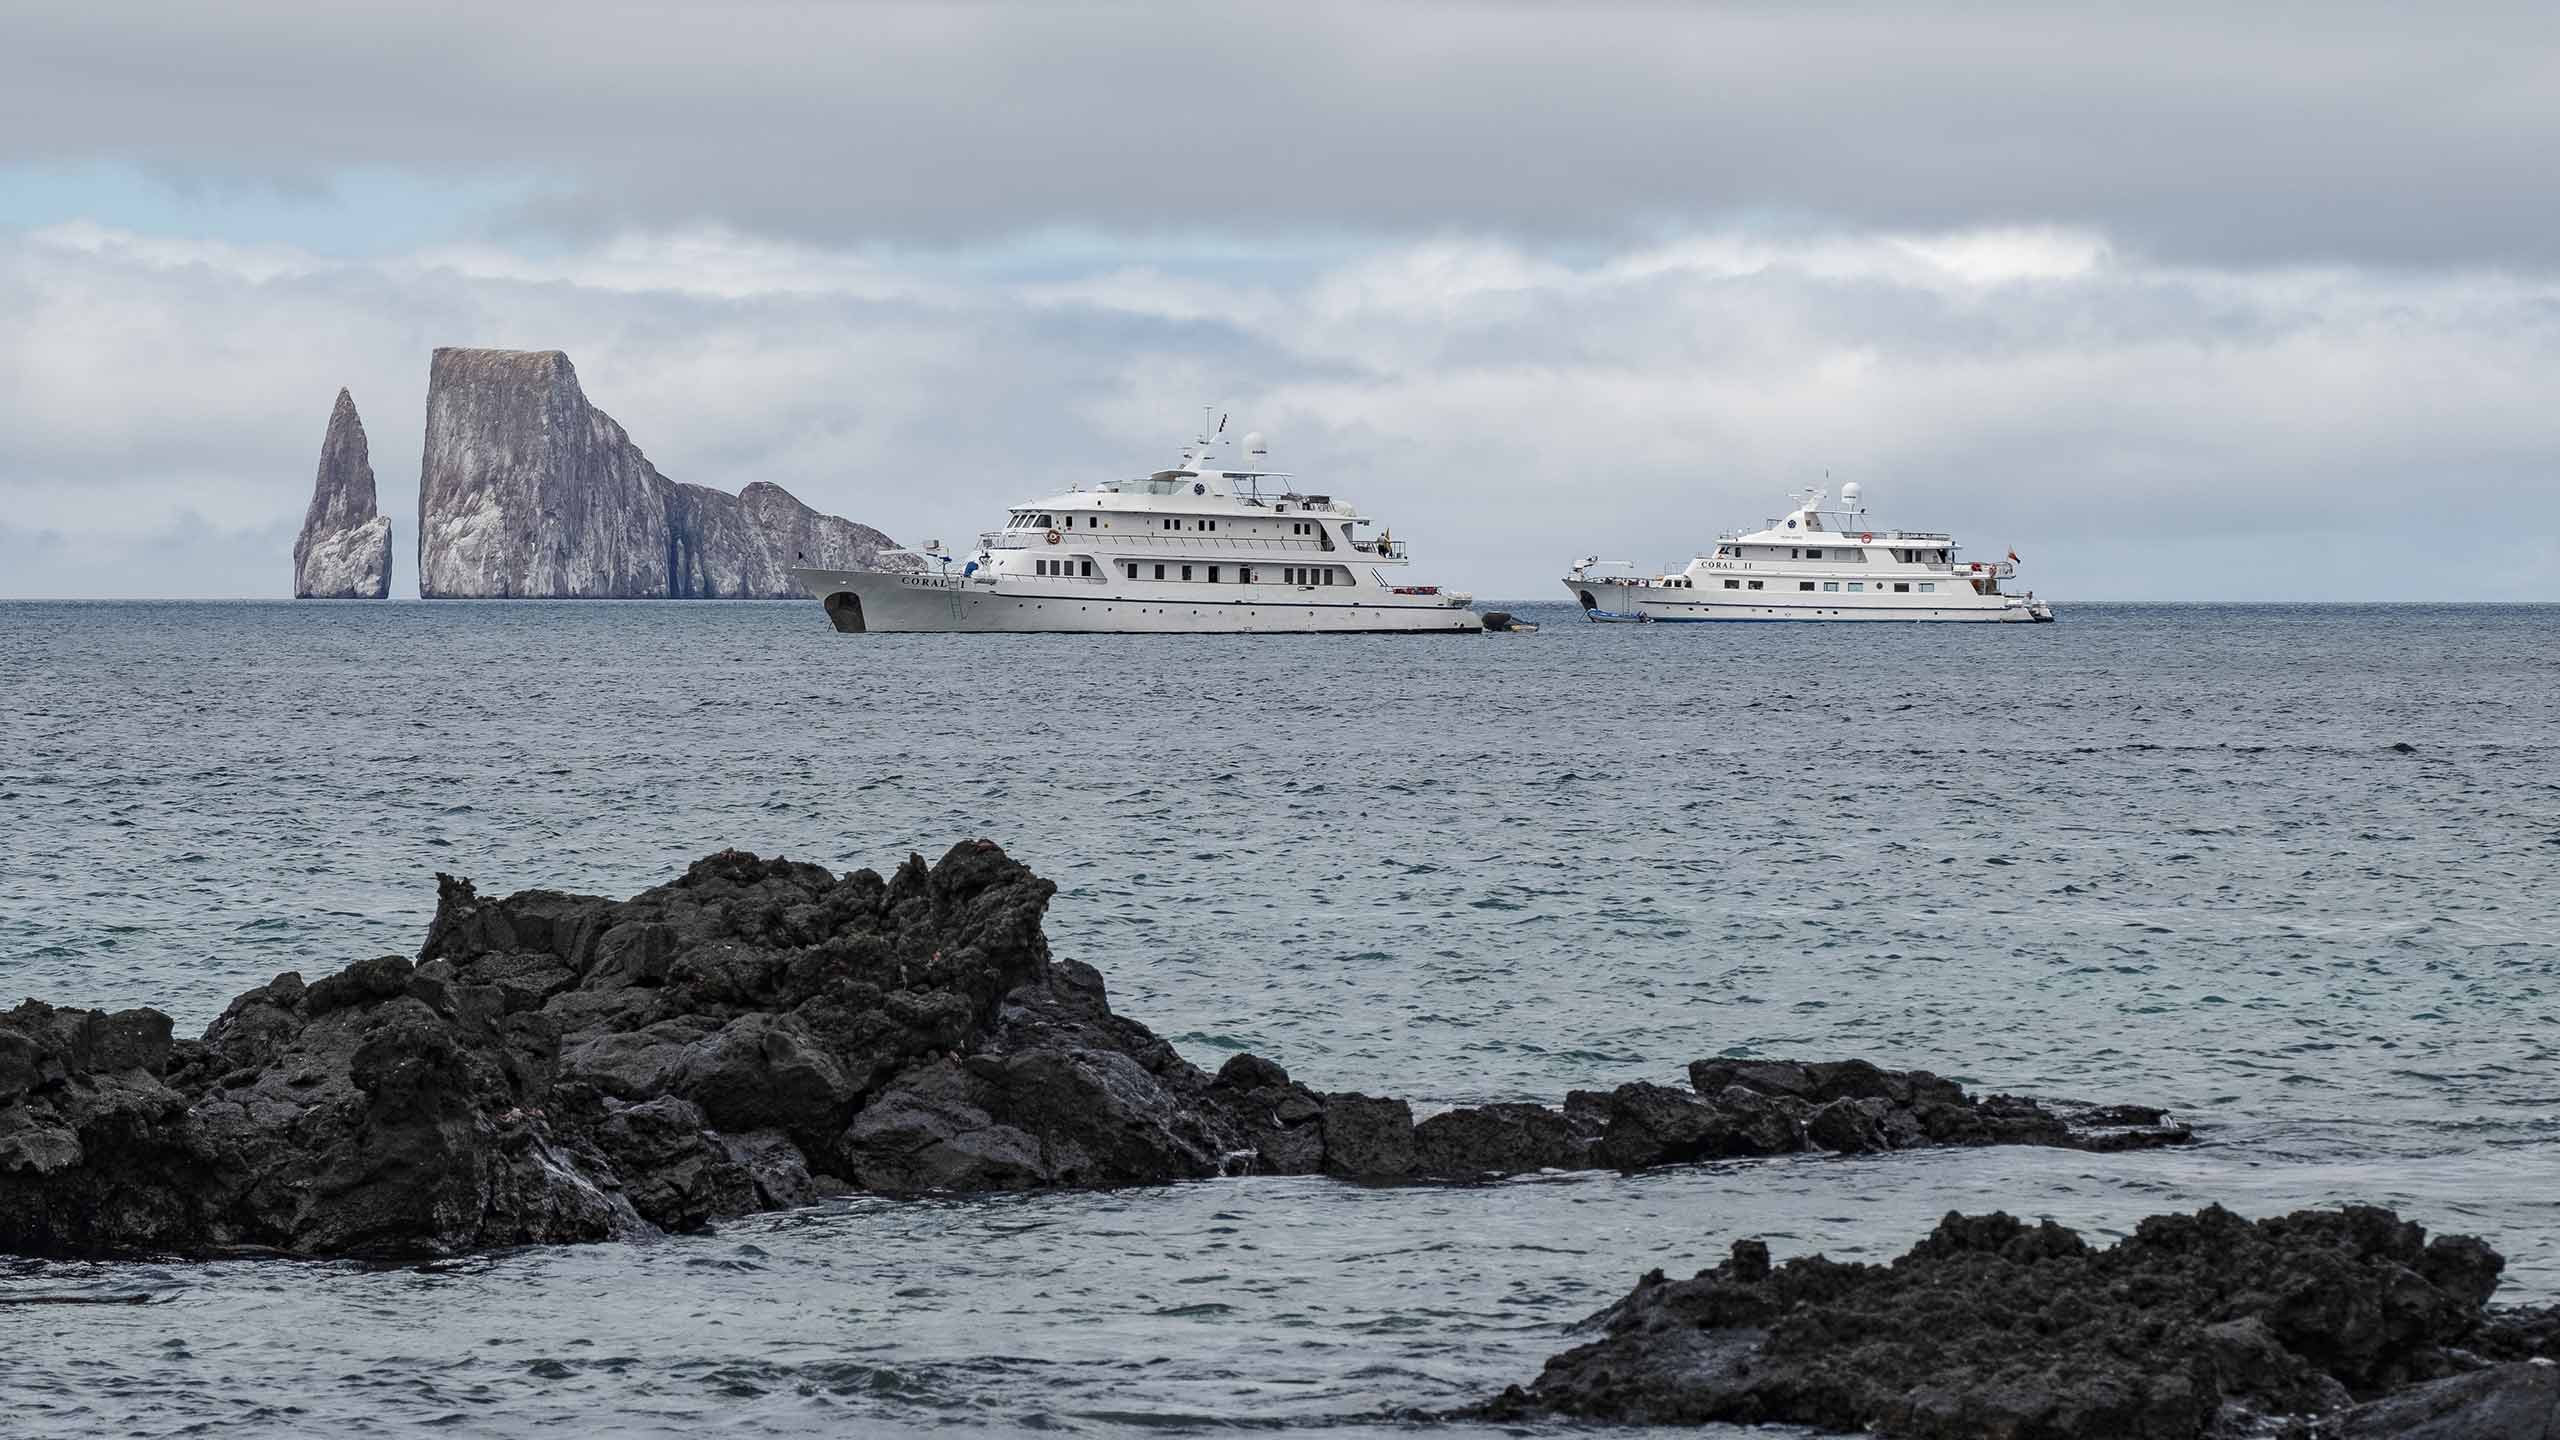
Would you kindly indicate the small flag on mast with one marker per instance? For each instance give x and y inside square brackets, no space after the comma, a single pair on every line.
[2013,557]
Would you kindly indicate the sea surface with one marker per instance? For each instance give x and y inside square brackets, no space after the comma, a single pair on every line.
[2174,854]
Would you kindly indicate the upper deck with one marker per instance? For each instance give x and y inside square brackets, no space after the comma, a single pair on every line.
[1197,506]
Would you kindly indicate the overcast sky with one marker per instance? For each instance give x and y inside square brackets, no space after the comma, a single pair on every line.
[2182,303]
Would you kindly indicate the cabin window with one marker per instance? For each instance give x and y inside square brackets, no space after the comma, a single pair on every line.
[1244,574]
[1045,522]
[1813,554]
[1733,584]
[1755,584]
[1928,587]
[1186,572]
[1795,552]
[1830,584]
[1208,524]
[1133,569]
[1857,584]
[1901,587]
[1804,584]
[1088,567]
[1092,521]
[1159,572]
[1213,574]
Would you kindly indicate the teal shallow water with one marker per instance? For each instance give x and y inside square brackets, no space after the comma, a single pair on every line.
[2159,853]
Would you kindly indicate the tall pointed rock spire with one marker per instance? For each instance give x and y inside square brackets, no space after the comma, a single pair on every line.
[345,549]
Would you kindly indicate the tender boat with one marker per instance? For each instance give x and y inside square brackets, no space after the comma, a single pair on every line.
[1202,547]
[1814,563]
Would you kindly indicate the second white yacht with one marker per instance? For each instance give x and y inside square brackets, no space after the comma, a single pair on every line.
[1815,563]
[1202,547]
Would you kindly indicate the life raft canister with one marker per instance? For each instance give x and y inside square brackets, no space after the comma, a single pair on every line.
[1054,537]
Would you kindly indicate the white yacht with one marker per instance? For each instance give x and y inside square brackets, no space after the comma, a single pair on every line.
[1198,548]
[1814,563]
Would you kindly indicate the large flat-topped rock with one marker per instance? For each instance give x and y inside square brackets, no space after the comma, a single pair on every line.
[525,490]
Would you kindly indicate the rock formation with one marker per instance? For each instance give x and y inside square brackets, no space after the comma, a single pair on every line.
[344,552]
[757,1034]
[527,491]
[2202,1325]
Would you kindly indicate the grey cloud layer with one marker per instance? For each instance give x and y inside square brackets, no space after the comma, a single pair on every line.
[2251,134]
[2139,431]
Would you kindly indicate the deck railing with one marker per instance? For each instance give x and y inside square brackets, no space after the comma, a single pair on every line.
[1188,541]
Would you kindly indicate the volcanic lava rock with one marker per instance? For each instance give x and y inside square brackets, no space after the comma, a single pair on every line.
[344,551]
[2515,1401]
[2201,1325]
[758,1034]
[527,491]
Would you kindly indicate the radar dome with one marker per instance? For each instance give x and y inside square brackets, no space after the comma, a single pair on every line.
[1253,444]
[1849,494]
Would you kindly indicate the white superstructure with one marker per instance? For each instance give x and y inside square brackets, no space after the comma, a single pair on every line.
[1813,563]
[1196,548]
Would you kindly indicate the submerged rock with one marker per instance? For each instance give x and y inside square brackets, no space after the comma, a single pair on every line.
[2201,1325]
[344,551]
[758,1034]
[525,490]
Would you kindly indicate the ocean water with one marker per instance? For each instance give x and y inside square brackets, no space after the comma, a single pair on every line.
[2157,853]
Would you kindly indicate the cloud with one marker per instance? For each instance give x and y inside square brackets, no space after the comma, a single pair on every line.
[2137,428]
[2359,133]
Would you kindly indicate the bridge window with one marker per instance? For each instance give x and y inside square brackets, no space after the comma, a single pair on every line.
[1045,522]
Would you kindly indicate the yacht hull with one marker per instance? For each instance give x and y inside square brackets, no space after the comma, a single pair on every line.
[890,602]
[1603,601]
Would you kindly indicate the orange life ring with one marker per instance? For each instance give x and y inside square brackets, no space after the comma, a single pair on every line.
[1054,537]
[1867,539]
